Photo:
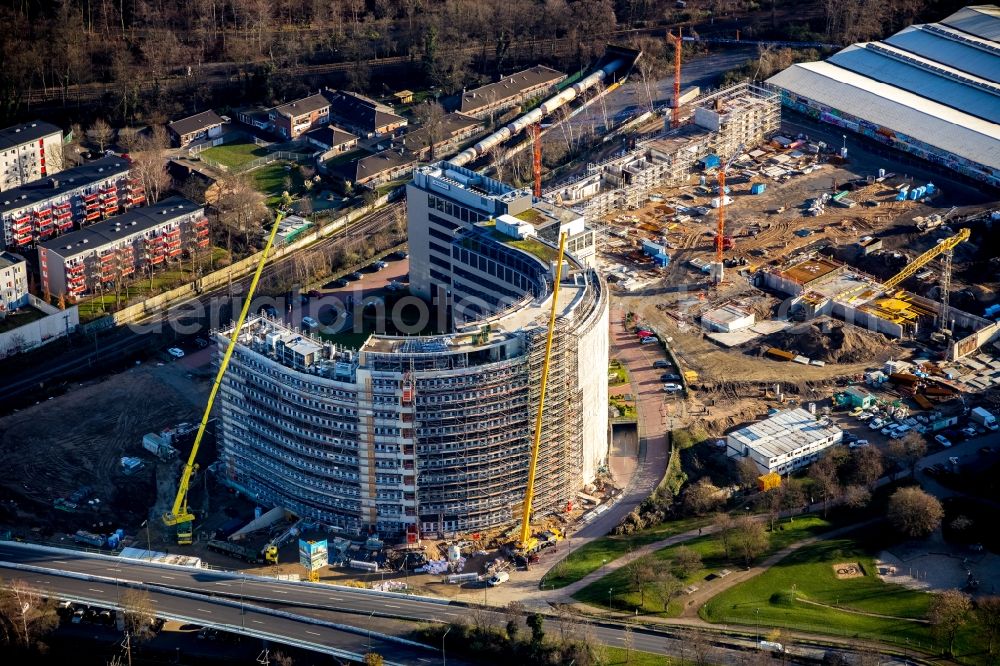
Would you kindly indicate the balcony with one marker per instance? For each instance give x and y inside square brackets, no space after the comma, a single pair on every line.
[92,215]
[88,198]
[22,224]
[64,225]
[75,269]
[108,257]
[43,214]
[202,242]
[77,289]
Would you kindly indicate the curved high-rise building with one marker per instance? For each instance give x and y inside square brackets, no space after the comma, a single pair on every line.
[432,434]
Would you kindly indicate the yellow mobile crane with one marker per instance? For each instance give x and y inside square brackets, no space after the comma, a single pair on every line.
[527,544]
[179,516]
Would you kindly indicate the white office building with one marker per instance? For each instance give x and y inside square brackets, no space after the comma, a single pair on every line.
[788,440]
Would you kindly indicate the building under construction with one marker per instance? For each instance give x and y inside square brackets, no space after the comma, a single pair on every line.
[432,434]
[819,286]
[721,121]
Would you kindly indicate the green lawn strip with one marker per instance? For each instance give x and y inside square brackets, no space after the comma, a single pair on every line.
[773,599]
[620,374]
[615,656]
[270,180]
[713,560]
[590,556]
[234,155]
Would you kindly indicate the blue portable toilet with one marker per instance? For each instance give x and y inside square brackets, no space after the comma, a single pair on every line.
[661,260]
[930,188]
[757,188]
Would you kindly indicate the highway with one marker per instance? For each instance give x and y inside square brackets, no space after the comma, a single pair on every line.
[214,598]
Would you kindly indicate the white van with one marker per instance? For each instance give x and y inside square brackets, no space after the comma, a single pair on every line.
[499,578]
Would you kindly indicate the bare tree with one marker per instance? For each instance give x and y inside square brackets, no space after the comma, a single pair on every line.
[823,472]
[907,452]
[988,619]
[149,164]
[430,115]
[948,613]
[702,497]
[100,134]
[914,512]
[748,472]
[666,588]
[641,571]
[686,561]
[725,526]
[856,496]
[29,617]
[750,539]
[137,610]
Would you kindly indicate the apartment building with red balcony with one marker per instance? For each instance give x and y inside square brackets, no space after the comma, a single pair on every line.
[45,208]
[135,242]
[29,151]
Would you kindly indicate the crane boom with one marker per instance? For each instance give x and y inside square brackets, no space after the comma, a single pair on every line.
[536,443]
[947,245]
[179,515]
[676,111]
[720,234]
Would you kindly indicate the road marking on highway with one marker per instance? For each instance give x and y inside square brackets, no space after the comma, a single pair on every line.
[113,569]
[281,591]
[221,583]
[257,621]
[166,576]
[59,562]
[312,632]
[334,598]
[93,590]
[447,613]
[153,601]
[391,606]
[202,610]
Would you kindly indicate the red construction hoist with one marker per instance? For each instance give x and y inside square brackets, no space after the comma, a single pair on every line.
[676,112]
[536,164]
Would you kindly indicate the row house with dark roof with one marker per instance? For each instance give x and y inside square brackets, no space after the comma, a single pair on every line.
[141,240]
[200,126]
[71,199]
[29,151]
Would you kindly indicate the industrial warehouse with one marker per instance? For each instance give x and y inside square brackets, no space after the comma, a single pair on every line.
[431,434]
[931,90]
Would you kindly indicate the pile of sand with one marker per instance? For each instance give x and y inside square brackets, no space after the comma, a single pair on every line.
[832,342]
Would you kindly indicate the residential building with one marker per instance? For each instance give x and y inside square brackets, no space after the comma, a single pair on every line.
[28,152]
[784,442]
[293,119]
[255,116]
[140,240]
[371,170]
[422,435]
[13,282]
[75,197]
[195,181]
[447,136]
[509,91]
[204,125]
[361,115]
[930,90]
[331,140]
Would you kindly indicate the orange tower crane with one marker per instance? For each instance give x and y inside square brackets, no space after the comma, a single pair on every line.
[722,242]
[675,119]
[536,164]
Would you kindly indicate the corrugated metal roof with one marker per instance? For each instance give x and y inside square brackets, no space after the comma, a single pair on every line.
[979,20]
[923,77]
[784,433]
[935,45]
[943,127]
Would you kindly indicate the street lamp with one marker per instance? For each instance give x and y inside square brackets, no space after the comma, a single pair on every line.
[756,613]
[610,604]
[243,611]
[149,551]
[371,620]
[444,655]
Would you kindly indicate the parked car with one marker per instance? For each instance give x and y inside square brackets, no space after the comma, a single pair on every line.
[339,283]
[670,377]
[875,424]
[856,411]
[661,364]
[310,322]
[201,343]
[672,388]
[398,254]
[499,578]
[313,293]
[354,277]
[942,440]
[969,431]
[644,334]
[650,339]
[176,352]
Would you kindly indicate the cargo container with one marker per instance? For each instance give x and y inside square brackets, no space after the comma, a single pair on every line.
[983,418]
[758,188]
[235,550]
[89,538]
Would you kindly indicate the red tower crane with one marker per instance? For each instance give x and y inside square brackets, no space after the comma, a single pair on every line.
[723,242]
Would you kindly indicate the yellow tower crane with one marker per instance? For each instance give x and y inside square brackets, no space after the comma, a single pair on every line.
[526,543]
[945,246]
[179,516]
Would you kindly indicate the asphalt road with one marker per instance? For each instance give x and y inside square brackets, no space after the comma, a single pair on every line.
[249,619]
[217,591]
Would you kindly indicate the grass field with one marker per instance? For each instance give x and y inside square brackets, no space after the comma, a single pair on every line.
[591,556]
[615,656]
[779,598]
[713,560]
[619,372]
[270,180]
[234,155]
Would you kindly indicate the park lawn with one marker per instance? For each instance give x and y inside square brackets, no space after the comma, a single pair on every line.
[591,556]
[620,373]
[713,558]
[234,155]
[777,598]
